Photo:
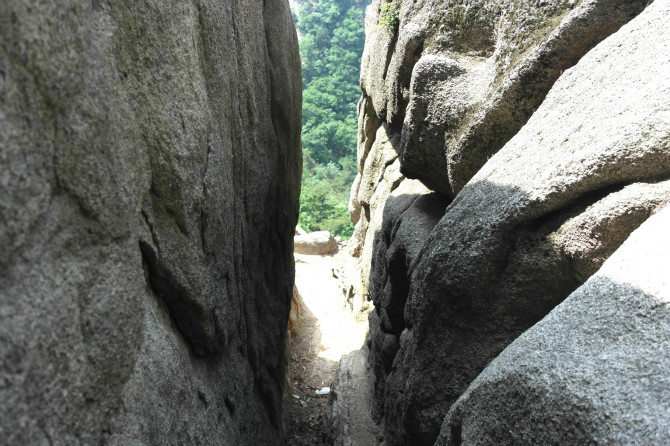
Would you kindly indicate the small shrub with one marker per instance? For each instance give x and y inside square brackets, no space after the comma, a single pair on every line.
[389,17]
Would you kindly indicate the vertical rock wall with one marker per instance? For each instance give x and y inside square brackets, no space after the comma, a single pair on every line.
[506,150]
[149,180]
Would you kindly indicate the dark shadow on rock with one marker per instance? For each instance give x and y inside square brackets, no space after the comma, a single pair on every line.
[407,222]
[450,296]
[595,370]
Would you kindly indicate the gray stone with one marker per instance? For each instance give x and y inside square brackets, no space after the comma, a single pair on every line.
[149,180]
[368,124]
[392,196]
[382,348]
[382,155]
[538,218]
[379,178]
[591,237]
[348,420]
[459,79]
[409,218]
[354,205]
[594,371]
[358,237]
[314,243]
[473,91]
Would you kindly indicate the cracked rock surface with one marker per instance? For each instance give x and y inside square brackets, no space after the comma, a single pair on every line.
[150,167]
[538,135]
[607,345]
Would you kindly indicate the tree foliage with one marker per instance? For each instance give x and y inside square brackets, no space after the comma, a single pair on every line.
[332,38]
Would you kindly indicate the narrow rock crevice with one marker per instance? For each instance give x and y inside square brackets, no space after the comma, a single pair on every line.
[171,294]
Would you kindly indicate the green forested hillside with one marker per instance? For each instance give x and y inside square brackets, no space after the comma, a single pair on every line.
[332,38]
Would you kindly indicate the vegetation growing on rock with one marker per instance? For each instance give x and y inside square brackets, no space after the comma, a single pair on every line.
[389,17]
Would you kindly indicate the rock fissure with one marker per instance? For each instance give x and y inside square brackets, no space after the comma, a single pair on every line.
[511,213]
[167,292]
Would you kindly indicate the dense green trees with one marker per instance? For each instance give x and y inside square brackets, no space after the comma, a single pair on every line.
[332,38]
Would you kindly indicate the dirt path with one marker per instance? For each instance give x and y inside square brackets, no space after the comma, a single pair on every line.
[327,329]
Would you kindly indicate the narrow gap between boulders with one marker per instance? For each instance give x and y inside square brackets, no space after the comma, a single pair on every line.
[331,323]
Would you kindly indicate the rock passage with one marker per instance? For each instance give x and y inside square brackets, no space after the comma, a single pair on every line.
[511,212]
[328,328]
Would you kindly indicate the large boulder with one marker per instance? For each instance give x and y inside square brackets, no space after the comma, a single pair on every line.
[150,172]
[314,243]
[594,371]
[479,84]
[543,214]
[459,79]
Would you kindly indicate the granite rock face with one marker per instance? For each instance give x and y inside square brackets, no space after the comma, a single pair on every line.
[459,79]
[594,371]
[453,81]
[150,165]
[543,146]
[473,93]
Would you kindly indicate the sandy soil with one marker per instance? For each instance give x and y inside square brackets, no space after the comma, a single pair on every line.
[327,329]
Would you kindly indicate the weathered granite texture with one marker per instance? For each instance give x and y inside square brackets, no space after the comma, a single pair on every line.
[594,371]
[460,78]
[348,422]
[149,181]
[545,145]
[455,80]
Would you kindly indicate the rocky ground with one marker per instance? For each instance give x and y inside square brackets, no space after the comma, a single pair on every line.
[329,326]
